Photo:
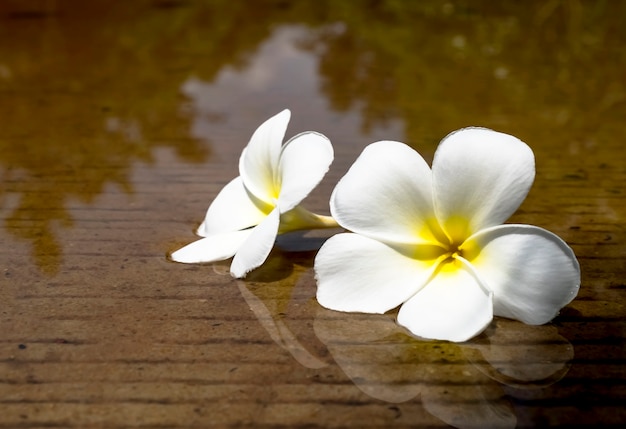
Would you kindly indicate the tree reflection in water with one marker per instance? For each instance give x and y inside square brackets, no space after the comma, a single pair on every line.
[443,66]
[87,91]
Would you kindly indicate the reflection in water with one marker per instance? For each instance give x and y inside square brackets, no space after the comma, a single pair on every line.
[79,108]
[275,289]
[89,89]
[278,67]
[461,384]
[521,355]
[278,330]
[387,364]
[443,66]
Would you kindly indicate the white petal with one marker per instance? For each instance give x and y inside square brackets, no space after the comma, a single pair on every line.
[304,160]
[213,248]
[233,209]
[453,306]
[257,247]
[259,160]
[356,273]
[531,271]
[387,195]
[480,177]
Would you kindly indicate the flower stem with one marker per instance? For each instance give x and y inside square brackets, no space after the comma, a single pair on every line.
[299,218]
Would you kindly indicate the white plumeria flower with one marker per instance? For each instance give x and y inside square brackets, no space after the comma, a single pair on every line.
[250,211]
[433,241]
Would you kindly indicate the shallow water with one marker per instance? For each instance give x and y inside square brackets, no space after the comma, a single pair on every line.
[120,123]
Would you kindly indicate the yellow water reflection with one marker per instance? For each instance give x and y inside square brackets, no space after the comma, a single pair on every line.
[549,71]
[87,91]
[85,95]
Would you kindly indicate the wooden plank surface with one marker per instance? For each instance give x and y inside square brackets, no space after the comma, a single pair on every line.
[120,123]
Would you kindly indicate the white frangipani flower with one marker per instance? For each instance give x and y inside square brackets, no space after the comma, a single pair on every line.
[250,211]
[433,241]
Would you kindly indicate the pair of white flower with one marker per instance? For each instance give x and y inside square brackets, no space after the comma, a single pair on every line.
[428,240]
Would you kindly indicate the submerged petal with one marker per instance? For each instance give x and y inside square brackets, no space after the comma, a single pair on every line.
[387,195]
[453,306]
[216,247]
[531,271]
[356,273]
[259,160]
[480,177]
[233,209]
[257,247]
[304,160]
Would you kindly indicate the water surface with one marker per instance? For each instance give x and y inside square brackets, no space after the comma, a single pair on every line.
[120,123]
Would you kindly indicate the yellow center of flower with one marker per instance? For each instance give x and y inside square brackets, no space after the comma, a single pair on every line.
[455,252]
[275,191]
[450,261]
[447,244]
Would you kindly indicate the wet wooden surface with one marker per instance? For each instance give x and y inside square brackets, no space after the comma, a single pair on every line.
[119,124]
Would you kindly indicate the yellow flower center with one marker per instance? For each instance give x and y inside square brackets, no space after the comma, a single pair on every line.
[447,244]
[454,252]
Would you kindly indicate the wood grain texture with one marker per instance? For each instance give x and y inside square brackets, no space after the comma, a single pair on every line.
[120,123]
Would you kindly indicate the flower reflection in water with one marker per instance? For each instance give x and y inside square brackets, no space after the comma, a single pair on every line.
[464,385]
[459,383]
[279,331]
[280,293]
